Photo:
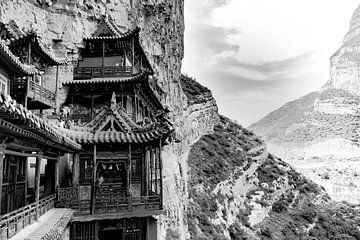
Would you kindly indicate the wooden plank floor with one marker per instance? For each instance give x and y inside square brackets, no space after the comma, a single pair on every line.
[50,224]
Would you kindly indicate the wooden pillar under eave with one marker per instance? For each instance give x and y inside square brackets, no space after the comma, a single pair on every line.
[129,187]
[57,163]
[37,182]
[146,171]
[2,157]
[93,188]
[76,169]
[161,176]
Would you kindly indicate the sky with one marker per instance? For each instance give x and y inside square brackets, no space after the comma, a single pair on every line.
[256,55]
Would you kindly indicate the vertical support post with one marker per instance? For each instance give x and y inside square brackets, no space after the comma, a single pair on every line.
[27,82]
[146,171]
[75,169]
[151,169]
[156,165]
[37,182]
[93,189]
[26,180]
[129,187]
[92,106]
[57,163]
[161,176]
[2,158]
[56,87]
[103,58]
[133,55]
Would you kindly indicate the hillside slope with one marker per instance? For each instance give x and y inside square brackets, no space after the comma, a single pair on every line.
[319,133]
[237,190]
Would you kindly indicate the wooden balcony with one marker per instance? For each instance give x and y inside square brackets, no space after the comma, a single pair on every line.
[11,223]
[107,202]
[38,97]
[101,72]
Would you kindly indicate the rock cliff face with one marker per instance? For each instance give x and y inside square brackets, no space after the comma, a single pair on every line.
[319,133]
[62,25]
[219,180]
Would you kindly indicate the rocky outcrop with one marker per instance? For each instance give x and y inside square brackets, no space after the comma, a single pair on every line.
[344,64]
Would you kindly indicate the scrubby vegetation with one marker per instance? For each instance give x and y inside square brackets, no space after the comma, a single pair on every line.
[302,210]
[194,91]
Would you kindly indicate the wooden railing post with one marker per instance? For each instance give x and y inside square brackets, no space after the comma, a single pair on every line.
[37,183]
[2,157]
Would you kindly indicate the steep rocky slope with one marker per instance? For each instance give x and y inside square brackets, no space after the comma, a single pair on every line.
[237,190]
[319,133]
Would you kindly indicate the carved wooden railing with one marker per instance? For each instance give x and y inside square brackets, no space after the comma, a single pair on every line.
[107,202]
[35,91]
[11,223]
[91,72]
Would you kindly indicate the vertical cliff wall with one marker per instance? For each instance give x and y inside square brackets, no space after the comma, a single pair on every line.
[344,64]
[62,24]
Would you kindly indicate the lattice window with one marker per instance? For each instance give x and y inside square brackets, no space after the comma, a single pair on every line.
[83,231]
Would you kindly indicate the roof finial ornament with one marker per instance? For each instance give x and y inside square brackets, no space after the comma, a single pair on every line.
[106,13]
[113,101]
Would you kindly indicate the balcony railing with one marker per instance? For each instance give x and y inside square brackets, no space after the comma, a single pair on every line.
[35,92]
[11,223]
[107,202]
[92,72]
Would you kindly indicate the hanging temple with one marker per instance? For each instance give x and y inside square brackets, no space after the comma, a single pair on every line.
[93,169]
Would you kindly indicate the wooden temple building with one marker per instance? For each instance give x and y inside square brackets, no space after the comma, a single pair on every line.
[30,148]
[111,128]
[113,110]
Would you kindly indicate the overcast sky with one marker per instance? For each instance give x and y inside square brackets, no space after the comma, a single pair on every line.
[256,55]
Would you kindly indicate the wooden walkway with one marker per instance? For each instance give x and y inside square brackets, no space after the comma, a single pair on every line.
[51,225]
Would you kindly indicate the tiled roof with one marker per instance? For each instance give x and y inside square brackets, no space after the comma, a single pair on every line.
[114,136]
[117,36]
[14,61]
[137,76]
[18,113]
[39,46]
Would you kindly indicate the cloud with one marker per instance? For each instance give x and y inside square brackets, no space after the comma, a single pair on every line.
[256,55]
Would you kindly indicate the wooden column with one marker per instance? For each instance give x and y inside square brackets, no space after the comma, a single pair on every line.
[146,171]
[133,55]
[56,87]
[161,177]
[156,164]
[26,179]
[57,163]
[37,182]
[129,187]
[76,169]
[2,157]
[93,188]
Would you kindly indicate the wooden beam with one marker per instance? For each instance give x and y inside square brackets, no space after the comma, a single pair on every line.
[93,188]
[37,183]
[2,157]
[76,169]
